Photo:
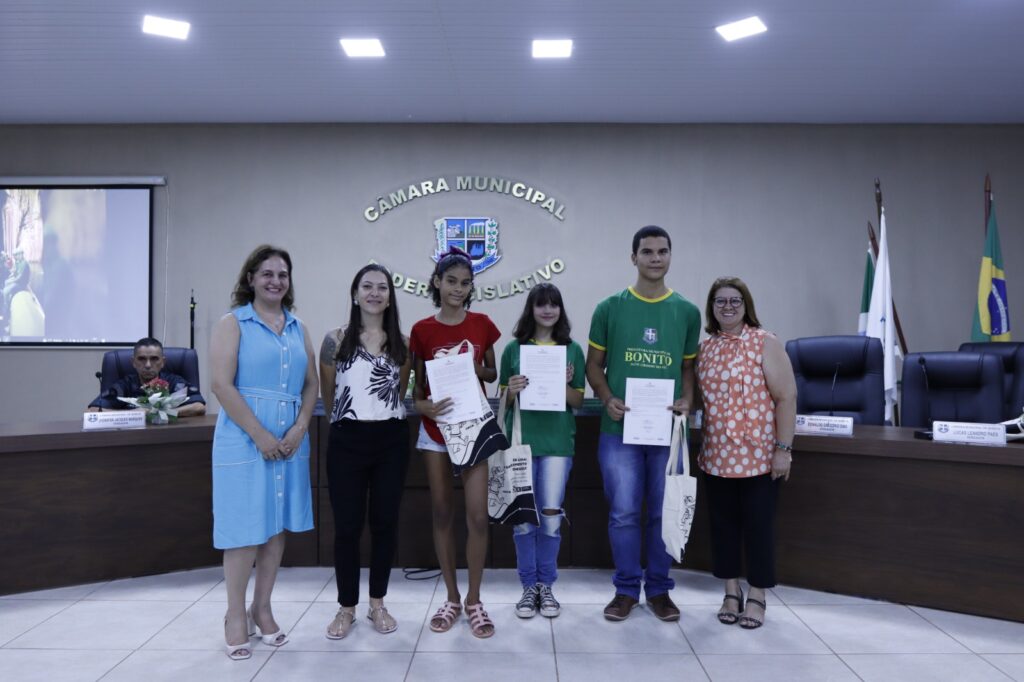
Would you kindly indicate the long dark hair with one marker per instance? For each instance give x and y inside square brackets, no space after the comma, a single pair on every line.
[243,292]
[749,314]
[455,257]
[526,327]
[395,345]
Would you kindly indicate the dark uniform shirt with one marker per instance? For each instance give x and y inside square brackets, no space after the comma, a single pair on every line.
[131,387]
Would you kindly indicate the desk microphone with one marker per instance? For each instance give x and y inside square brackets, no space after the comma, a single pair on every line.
[927,390]
[832,397]
[191,318]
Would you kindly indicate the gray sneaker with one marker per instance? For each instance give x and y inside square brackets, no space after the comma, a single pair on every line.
[527,605]
[549,606]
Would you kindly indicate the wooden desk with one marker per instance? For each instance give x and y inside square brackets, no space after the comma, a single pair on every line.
[80,507]
[878,515]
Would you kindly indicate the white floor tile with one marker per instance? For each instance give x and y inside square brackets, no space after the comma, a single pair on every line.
[1011,664]
[876,629]
[309,633]
[782,633]
[71,593]
[152,629]
[339,665]
[787,667]
[52,665]
[101,625]
[627,667]
[583,586]
[178,586]
[193,666]
[19,616]
[930,667]
[800,596]
[980,635]
[511,633]
[492,667]
[293,584]
[400,588]
[582,628]
[201,627]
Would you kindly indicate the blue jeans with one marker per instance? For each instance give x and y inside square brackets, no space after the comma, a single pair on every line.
[537,547]
[632,475]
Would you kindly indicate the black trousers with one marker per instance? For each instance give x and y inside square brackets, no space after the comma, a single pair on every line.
[366,465]
[742,514]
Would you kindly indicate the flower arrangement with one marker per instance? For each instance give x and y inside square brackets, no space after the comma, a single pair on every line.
[160,404]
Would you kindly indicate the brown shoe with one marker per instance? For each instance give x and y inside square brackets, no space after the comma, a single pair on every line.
[663,607]
[619,607]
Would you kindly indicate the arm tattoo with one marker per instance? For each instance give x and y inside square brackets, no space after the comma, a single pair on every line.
[328,349]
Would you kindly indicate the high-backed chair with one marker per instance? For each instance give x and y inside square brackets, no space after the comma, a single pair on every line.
[117,363]
[839,375]
[1012,355]
[966,387]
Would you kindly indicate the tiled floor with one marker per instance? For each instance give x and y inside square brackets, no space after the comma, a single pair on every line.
[168,627]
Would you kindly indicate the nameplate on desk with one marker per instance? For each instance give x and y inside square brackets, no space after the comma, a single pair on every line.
[969,432]
[823,425]
[121,419]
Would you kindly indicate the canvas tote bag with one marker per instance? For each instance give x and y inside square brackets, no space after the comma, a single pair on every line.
[472,441]
[680,501]
[510,498]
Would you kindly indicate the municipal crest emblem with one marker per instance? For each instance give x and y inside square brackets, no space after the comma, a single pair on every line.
[476,236]
[650,335]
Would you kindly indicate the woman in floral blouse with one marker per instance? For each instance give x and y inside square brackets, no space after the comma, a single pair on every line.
[364,369]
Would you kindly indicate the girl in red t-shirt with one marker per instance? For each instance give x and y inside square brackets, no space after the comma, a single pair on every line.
[452,288]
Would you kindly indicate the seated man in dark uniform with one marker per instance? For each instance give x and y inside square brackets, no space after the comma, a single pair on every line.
[148,361]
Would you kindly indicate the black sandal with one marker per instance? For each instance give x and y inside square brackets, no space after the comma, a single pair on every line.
[726,617]
[749,623]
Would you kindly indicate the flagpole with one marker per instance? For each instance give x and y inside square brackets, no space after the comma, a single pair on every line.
[988,200]
[878,208]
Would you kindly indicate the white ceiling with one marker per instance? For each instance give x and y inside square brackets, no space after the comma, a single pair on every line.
[822,61]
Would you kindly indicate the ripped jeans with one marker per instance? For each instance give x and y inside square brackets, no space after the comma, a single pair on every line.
[537,547]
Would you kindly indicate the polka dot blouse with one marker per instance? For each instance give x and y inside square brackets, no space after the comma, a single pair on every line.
[739,413]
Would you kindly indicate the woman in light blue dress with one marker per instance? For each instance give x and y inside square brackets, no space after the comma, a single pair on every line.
[264,375]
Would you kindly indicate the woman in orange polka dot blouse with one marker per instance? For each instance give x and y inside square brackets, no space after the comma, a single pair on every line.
[749,411]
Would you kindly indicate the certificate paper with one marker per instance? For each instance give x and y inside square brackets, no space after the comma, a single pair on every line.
[649,419]
[454,377]
[544,366]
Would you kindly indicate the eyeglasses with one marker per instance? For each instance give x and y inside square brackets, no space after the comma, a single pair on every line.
[734,302]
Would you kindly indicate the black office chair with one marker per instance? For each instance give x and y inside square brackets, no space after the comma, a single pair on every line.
[952,386]
[117,363]
[1012,355]
[839,375]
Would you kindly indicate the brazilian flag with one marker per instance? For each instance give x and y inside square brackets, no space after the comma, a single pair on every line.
[992,313]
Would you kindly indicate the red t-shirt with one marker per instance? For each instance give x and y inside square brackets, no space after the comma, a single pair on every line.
[429,336]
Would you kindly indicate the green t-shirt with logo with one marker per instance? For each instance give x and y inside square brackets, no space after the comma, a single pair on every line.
[547,433]
[643,338]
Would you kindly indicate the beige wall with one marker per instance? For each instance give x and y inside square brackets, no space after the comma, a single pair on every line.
[785,207]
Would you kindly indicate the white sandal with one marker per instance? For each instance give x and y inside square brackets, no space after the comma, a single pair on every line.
[278,638]
[237,652]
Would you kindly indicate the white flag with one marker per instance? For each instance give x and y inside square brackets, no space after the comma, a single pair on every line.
[881,322]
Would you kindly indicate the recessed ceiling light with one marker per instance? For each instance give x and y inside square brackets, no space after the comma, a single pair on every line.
[168,28]
[741,29]
[362,47]
[552,49]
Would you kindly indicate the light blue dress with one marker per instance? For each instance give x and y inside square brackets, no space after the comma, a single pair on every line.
[253,498]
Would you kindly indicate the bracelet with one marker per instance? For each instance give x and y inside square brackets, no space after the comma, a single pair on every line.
[779,445]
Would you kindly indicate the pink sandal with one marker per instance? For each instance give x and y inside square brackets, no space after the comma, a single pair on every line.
[446,616]
[479,620]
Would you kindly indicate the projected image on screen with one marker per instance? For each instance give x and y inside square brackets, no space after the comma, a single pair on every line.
[74,264]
